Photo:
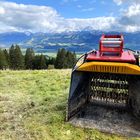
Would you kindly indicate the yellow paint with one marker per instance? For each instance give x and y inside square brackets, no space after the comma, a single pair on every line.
[110,67]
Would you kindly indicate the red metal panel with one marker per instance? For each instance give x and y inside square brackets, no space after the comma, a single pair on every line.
[126,56]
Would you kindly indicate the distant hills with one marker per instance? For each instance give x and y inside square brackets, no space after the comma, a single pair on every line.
[75,41]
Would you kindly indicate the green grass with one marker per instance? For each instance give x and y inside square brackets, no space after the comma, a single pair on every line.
[33,107]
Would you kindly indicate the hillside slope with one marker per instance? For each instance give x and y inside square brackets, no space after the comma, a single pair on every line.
[33,106]
[81,41]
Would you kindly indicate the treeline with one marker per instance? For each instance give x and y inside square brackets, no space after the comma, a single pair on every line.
[65,59]
[15,60]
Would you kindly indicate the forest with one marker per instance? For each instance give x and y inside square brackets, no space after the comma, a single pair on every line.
[14,59]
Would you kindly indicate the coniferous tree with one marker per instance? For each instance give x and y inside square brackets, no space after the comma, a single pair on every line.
[29,58]
[74,59]
[19,58]
[61,59]
[65,59]
[69,59]
[58,60]
[7,57]
[50,61]
[36,62]
[42,62]
[39,62]
[12,57]
[16,58]
[3,62]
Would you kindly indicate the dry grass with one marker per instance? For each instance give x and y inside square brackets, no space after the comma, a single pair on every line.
[33,106]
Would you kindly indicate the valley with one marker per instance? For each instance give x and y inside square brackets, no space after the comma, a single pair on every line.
[49,43]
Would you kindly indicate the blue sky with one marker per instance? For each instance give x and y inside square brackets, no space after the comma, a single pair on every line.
[69,15]
[79,8]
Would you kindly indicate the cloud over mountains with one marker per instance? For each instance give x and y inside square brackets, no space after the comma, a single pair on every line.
[33,18]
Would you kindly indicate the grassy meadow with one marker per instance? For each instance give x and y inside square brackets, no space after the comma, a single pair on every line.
[33,107]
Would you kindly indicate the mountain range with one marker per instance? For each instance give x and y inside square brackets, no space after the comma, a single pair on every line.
[81,41]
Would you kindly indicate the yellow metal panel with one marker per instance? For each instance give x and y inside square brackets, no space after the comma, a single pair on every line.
[110,67]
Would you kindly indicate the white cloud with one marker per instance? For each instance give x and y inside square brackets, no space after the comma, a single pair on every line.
[100,23]
[2,11]
[133,10]
[27,17]
[24,18]
[130,28]
[20,17]
[130,18]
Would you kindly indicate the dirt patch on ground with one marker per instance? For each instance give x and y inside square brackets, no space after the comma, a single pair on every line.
[108,120]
